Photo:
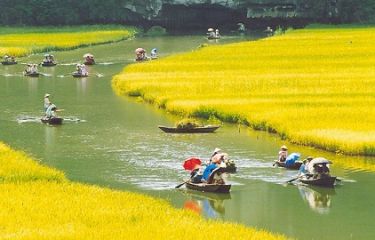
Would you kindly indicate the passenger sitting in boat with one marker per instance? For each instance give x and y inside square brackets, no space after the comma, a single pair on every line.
[210,33]
[283,153]
[154,53]
[51,111]
[197,174]
[214,164]
[84,71]
[291,159]
[303,168]
[31,68]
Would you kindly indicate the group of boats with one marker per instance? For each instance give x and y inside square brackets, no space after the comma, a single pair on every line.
[318,174]
[317,171]
[49,61]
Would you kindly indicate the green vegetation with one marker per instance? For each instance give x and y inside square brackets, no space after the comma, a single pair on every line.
[313,87]
[38,202]
[25,40]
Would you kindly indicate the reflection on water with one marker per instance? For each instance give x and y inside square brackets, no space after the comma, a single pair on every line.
[209,205]
[319,199]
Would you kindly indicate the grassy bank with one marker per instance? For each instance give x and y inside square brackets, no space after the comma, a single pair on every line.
[21,41]
[314,86]
[38,202]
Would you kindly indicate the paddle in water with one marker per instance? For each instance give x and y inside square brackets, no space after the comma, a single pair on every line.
[179,185]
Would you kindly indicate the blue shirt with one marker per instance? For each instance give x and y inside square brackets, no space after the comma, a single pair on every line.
[208,171]
[302,169]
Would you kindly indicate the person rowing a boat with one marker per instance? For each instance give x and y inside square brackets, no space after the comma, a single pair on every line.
[47,101]
[283,154]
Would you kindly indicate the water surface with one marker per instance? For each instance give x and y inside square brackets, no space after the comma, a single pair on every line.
[114,141]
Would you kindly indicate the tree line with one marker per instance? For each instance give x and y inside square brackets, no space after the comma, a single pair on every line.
[74,12]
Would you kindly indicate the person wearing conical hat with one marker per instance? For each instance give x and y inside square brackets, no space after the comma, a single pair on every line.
[283,154]
[47,101]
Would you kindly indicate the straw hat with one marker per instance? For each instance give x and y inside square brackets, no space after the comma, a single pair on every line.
[284,147]
[47,95]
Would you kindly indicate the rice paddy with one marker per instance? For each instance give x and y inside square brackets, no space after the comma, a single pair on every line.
[313,87]
[38,202]
[26,40]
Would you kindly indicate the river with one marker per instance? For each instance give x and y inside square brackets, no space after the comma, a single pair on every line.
[114,141]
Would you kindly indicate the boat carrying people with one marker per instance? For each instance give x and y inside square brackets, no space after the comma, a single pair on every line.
[50,116]
[213,34]
[49,60]
[208,179]
[316,172]
[88,59]
[140,55]
[81,71]
[8,60]
[31,70]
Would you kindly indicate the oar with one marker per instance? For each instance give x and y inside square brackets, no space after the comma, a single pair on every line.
[179,185]
[293,179]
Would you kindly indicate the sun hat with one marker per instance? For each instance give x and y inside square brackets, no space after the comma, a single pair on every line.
[284,147]
[47,95]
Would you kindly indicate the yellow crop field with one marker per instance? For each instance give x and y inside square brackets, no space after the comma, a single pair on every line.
[38,202]
[23,41]
[313,87]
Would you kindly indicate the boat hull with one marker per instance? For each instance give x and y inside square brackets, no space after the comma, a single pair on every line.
[323,182]
[77,75]
[48,64]
[52,121]
[31,74]
[203,187]
[8,63]
[206,129]
[295,166]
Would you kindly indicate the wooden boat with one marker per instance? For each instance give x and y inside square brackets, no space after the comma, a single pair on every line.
[49,64]
[326,181]
[52,121]
[8,62]
[78,75]
[212,185]
[205,129]
[295,166]
[31,74]
[205,187]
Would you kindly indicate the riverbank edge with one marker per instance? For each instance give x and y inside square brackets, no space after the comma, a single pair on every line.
[39,202]
[204,112]
[132,31]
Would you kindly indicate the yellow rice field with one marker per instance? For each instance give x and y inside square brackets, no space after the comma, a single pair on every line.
[24,41]
[37,202]
[314,86]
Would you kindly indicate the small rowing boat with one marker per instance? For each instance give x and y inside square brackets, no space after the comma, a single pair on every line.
[49,64]
[215,183]
[295,166]
[79,75]
[204,129]
[9,62]
[205,187]
[52,121]
[31,74]
[323,181]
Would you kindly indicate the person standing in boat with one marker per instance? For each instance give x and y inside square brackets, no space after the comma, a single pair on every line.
[47,101]
[283,154]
